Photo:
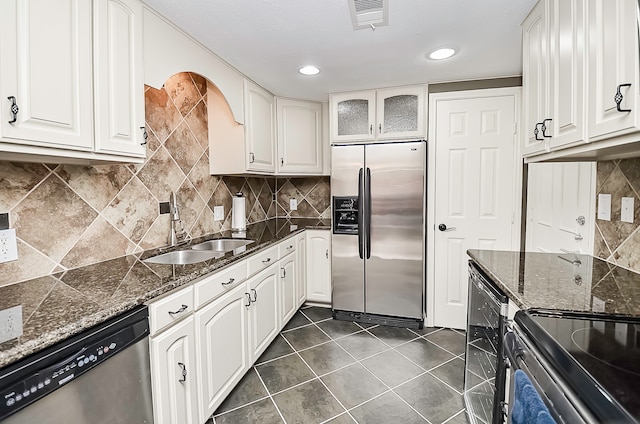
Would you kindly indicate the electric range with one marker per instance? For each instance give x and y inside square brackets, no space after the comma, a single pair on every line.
[596,356]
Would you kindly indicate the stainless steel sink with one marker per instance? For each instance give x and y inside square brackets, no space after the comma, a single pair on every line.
[184,257]
[222,245]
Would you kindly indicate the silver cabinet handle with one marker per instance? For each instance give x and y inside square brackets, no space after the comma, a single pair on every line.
[248,299]
[255,295]
[618,98]
[14,109]
[183,368]
[284,272]
[266,261]
[536,132]
[179,311]
[145,136]
[289,247]
[252,158]
[231,280]
[326,253]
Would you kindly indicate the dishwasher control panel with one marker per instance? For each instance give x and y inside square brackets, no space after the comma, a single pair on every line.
[51,376]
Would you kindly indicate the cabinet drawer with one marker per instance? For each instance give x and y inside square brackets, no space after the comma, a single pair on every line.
[262,260]
[286,247]
[170,309]
[219,283]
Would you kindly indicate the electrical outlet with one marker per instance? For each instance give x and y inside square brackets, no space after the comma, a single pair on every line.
[8,245]
[293,204]
[164,208]
[604,207]
[626,210]
[10,323]
[218,213]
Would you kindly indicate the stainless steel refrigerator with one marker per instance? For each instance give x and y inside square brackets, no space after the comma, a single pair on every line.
[377,240]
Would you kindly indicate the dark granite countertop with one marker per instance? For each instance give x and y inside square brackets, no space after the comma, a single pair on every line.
[60,305]
[559,281]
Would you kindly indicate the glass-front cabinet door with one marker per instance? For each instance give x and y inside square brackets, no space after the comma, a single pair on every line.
[353,116]
[401,112]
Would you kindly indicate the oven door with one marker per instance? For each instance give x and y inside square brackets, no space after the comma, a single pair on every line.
[564,406]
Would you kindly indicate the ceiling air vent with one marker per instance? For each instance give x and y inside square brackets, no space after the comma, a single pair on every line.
[369,13]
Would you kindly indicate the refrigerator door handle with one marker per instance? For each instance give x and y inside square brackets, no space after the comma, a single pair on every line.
[367,194]
[360,214]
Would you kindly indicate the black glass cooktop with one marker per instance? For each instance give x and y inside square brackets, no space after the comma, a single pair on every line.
[599,357]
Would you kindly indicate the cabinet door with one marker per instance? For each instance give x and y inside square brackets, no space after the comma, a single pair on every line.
[118,77]
[173,375]
[318,266]
[288,281]
[46,66]
[613,62]
[567,77]
[301,261]
[535,78]
[259,128]
[221,348]
[353,116]
[299,137]
[264,322]
[400,112]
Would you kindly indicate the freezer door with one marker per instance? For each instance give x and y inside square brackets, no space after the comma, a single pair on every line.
[394,268]
[347,263]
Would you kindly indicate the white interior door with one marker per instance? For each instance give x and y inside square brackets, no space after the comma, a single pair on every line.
[558,195]
[475,183]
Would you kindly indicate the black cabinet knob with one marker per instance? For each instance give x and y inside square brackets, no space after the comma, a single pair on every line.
[442,227]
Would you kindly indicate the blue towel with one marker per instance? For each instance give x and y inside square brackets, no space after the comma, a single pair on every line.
[528,407]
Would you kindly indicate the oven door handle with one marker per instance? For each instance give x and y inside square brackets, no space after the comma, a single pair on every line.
[513,349]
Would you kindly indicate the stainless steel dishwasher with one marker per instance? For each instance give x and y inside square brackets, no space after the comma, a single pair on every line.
[99,376]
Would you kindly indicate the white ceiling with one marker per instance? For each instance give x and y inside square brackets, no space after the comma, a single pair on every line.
[268,40]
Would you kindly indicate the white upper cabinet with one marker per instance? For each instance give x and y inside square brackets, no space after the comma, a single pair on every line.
[393,113]
[299,137]
[613,66]
[580,80]
[46,72]
[57,88]
[567,72]
[353,116]
[259,128]
[118,77]
[400,112]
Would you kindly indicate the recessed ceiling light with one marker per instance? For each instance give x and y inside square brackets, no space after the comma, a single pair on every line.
[443,53]
[309,70]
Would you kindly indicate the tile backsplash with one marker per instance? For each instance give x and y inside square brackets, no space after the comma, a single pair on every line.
[616,241]
[68,216]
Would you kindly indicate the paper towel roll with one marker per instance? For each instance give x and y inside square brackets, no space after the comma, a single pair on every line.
[238,219]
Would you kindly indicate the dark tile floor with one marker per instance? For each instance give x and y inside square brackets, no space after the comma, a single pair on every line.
[323,371]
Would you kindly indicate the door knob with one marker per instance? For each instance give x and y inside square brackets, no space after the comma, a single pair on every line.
[581,220]
[443,227]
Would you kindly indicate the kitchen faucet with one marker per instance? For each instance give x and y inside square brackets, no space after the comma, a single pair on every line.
[175,236]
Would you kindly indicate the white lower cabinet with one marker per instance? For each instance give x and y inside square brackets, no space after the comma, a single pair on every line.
[199,357]
[301,263]
[221,353]
[264,319]
[318,266]
[288,280]
[173,373]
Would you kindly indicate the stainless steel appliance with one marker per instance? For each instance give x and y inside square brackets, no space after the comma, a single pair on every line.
[585,367]
[378,232]
[484,377]
[101,376]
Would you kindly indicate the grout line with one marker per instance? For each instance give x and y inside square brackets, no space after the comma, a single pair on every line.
[243,405]
[454,416]
[270,396]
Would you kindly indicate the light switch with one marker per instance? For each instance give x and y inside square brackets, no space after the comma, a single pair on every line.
[8,246]
[218,213]
[626,210]
[604,207]
[293,204]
